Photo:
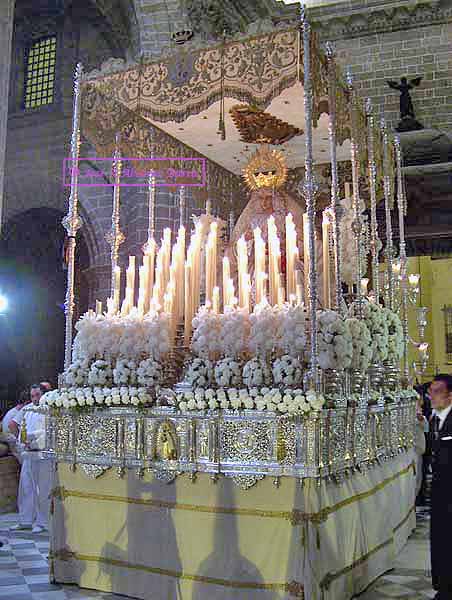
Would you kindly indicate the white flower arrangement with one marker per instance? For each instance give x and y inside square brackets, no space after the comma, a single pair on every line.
[291,336]
[125,372]
[334,341]
[228,373]
[374,316]
[77,373]
[73,397]
[130,337]
[288,401]
[263,329]
[287,371]
[200,373]
[395,335]
[206,333]
[149,373]
[234,332]
[361,342]
[256,373]
[100,373]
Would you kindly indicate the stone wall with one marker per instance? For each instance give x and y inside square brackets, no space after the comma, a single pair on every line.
[381,40]
[424,51]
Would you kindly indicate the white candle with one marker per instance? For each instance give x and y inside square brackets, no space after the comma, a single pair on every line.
[117,291]
[111,309]
[242,260]
[188,315]
[259,263]
[216,299]
[226,278]
[98,308]
[291,255]
[130,289]
[298,286]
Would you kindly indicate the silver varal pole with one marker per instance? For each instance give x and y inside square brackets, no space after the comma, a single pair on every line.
[374,241]
[335,206]
[357,224]
[115,237]
[71,221]
[402,208]
[310,190]
[387,192]
[151,202]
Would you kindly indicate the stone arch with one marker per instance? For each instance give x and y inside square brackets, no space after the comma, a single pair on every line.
[34,279]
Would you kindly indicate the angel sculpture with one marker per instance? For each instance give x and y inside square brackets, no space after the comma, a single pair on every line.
[406,104]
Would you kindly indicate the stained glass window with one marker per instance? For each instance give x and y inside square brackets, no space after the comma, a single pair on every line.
[40,73]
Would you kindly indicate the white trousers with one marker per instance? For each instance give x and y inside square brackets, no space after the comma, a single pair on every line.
[34,490]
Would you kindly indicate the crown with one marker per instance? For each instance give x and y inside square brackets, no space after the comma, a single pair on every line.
[180,37]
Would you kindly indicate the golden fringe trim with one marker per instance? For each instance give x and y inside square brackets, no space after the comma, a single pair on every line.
[295,517]
[294,588]
[330,577]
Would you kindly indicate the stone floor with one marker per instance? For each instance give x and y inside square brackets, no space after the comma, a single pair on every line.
[24,569]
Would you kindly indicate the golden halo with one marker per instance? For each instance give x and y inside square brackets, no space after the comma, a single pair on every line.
[265,169]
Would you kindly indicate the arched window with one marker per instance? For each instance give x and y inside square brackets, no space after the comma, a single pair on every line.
[40,72]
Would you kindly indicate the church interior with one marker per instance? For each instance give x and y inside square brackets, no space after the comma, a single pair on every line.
[225,299]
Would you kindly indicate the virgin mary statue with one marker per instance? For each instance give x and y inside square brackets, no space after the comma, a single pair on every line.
[263,203]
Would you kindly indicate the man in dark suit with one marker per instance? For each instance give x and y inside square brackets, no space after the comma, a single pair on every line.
[441,512]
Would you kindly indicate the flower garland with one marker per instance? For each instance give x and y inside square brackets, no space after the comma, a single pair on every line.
[125,372]
[234,332]
[149,373]
[263,330]
[256,373]
[361,342]
[100,373]
[228,373]
[287,371]
[395,335]
[334,341]
[291,336]
[288,401]
[375,319]
[206,333]
[98,396]
[111,336]
[77,373]
[200,373]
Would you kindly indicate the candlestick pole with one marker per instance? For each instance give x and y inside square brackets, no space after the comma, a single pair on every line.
[388,192]
[72,221]
[310,190]
[115,237]
[402,207]
[335,206]
[374,241]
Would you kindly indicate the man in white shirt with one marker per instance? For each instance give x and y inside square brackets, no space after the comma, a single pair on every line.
[36,473]
[441,511]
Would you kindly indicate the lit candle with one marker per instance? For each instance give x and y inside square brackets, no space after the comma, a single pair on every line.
[216,299]
[413,280]
[226,278]
[326,260]
[188,315]
[291,254]
[259,263]
[117,290]
[242,259]
[130,289]
[299,286]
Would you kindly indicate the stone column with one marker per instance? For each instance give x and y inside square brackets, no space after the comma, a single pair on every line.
[6,31]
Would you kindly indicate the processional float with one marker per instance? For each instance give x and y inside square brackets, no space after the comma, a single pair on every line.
[250,357]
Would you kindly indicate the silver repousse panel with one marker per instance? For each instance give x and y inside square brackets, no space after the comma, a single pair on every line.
[96,435]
